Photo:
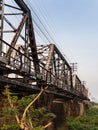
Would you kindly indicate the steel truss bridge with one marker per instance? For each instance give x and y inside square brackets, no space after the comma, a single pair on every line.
[27,67]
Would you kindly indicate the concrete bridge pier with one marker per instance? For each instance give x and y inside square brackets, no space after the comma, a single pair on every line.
[59,123]
[62,109]
[56,106]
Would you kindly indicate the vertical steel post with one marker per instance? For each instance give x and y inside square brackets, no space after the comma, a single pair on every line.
[1,22]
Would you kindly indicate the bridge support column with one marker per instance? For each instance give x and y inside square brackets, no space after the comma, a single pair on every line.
[64,108]
[59,123]
[75,107]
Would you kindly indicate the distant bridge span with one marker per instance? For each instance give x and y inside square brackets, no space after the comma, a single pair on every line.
[27,67]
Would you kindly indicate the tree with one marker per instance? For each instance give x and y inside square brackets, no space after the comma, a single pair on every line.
[22,113]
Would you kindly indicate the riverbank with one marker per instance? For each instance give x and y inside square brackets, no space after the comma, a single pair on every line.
[88,122]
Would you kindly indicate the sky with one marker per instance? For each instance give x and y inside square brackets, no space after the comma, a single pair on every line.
[75,23]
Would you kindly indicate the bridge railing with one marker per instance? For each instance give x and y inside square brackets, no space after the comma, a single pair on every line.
[23,64]
[17,60]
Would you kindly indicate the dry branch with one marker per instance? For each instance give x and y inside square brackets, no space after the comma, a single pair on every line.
[46,126]
[31,103]
[21,122]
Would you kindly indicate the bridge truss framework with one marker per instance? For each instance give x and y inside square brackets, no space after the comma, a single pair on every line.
[27,67]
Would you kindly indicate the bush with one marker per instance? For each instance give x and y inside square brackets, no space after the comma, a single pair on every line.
[89,122]
[14,107]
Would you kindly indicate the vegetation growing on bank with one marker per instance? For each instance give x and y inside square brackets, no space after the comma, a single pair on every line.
[17,114]
[88,122]
[35,118]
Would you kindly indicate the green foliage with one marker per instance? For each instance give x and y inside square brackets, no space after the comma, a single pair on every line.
[89,122]
[24,101]
[38,128]
[93,112]
[41,116]
[38,116]
[13,126]
[94,103]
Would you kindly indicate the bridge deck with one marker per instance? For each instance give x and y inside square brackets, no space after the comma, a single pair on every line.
[21,88]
